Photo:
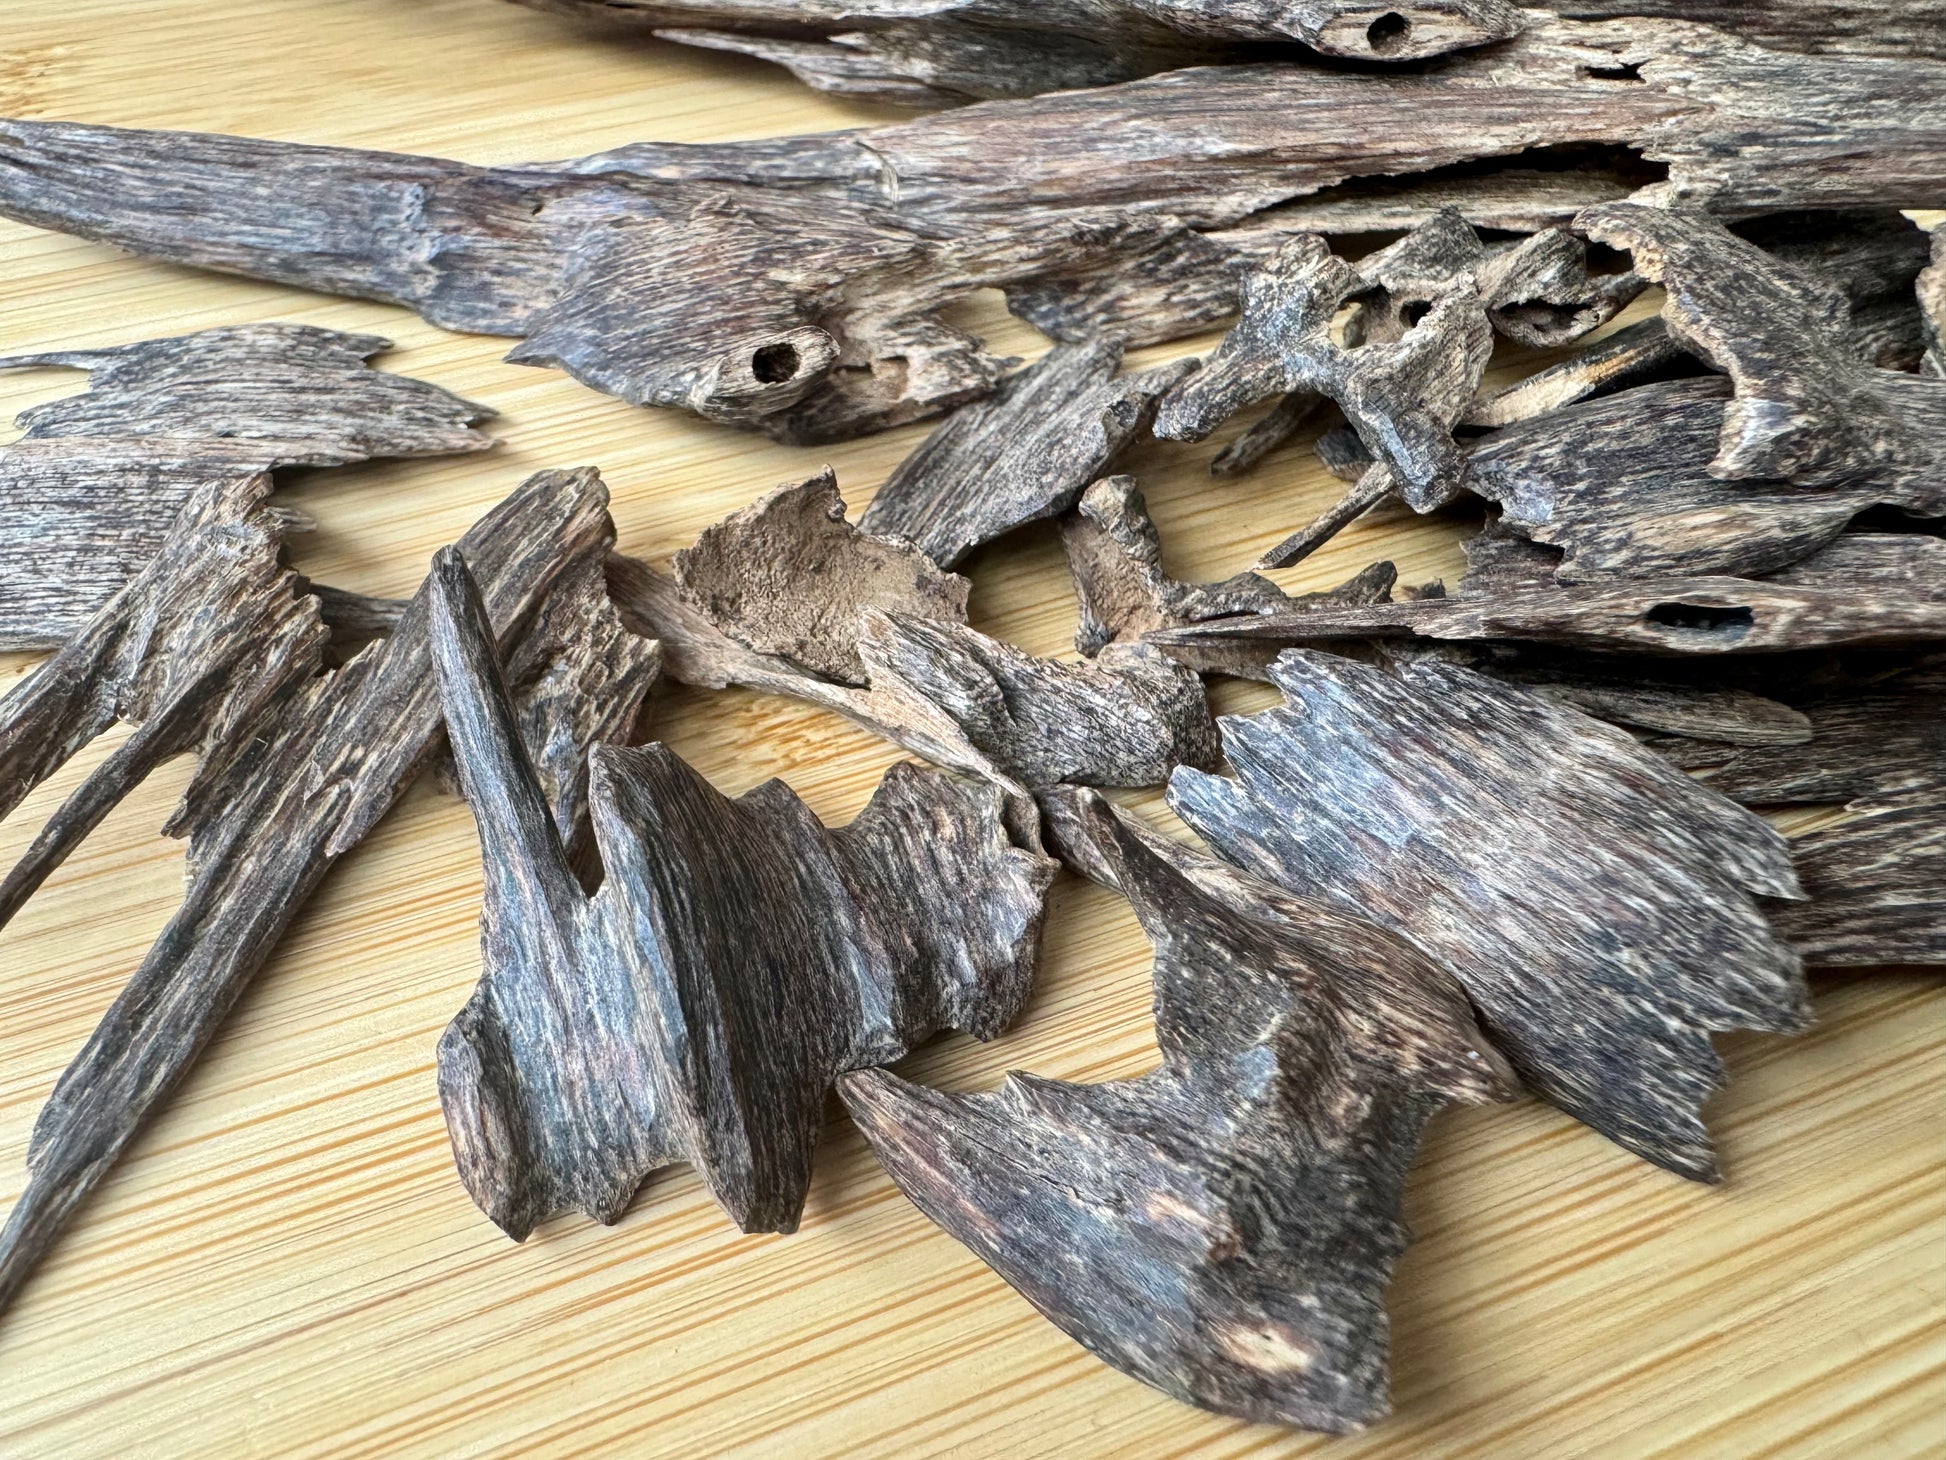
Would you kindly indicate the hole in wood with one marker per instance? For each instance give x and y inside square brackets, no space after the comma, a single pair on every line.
[1632,71]
[1388,32]
[1731,623]
[774,364]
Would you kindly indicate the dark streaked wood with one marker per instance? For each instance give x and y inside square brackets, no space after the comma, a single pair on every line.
[737,958]
[1876,882]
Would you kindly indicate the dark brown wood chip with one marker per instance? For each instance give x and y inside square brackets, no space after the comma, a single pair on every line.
[737,958]
[1599,906]
[1876,883]
[89,491]
[270,811]
[1224,1228]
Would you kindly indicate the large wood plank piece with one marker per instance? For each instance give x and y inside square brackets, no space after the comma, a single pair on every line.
[285,1262]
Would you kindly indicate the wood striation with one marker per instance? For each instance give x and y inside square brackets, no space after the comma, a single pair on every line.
[1224,1228]
[1599,906]
[88,493]
[1876,882]
[737,958]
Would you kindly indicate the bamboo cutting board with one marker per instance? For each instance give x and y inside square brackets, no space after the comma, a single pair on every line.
[286,1265]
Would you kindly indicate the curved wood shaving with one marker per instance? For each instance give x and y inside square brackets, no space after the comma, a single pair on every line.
[736,960]
[270,811]
[1599,906]
[88,493]
[1224,1228]
[1025,453]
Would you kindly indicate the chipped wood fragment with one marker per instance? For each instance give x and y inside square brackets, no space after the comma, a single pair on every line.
[778,954]
[1134,1215]
[1875,882]
[1599,906]
[88,493]
[268,813]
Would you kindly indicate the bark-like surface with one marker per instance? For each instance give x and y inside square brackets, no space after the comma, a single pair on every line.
[1806,408]
[1626,358]
[1886,593]
[88,493]
[1892,28]
[928,53]
[1876,883]
[1115,556]
[788,576]
[1873,728]
[268,814]
[816,266]
[1598,905]
[1931,289]
[1025,453]
[1224,1228]
[736,960]
[191,652]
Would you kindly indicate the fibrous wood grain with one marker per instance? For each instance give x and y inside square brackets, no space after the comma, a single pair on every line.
[737,959]
[1224,1228]
[1026,452]
[191,651]
[817,265]
[1931,288]
[1886,594]
[268,813]
[1893,28]
[89,491]
[1876,882]
[1599,906]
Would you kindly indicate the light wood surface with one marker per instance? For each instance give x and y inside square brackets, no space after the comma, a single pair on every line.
[286,1265]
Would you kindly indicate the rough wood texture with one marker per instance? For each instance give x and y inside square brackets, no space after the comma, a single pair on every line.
[89,491]
[1025,453]
[1225,1227]
[736,960]
[922,52]
[1806,408]
[1931,288]
[817,265]
[266,816]
[1888,594]
[192,651]
[1600,907]
[1876,882]
[788,576]
[1816,27]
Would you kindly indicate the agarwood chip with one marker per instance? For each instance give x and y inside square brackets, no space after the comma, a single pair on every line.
[737,959]
[1902,29]
[277,803]
[1931,289]
[1599,906]
[88,493]
[1876,882]
[1224,1228]
[1844,605]
[788,576]
[1806,408]
[1628,357]
[1027,452]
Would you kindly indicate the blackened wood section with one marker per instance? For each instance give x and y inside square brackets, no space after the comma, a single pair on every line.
[788,576]
[1626,358]
[1114,554]
[1599,906]
[89,491]
[355,619]
[817,265]
[1701,615]
[736,960]
[267,814]
[1223,1229]
[1623,486]
[1873,729]
[191,652]
[1874,255]
[922,53]
[1876,883]
[1806,408]
[1026,453]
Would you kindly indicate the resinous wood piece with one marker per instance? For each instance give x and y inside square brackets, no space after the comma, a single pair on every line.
[196,646]
[924,52]
[1599,906]
[89,491]
[270,811]
[816,266]
[1876,882]
[1224,1228]
[737,959]
[1853,600]
[1806,408]
[1026,452]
